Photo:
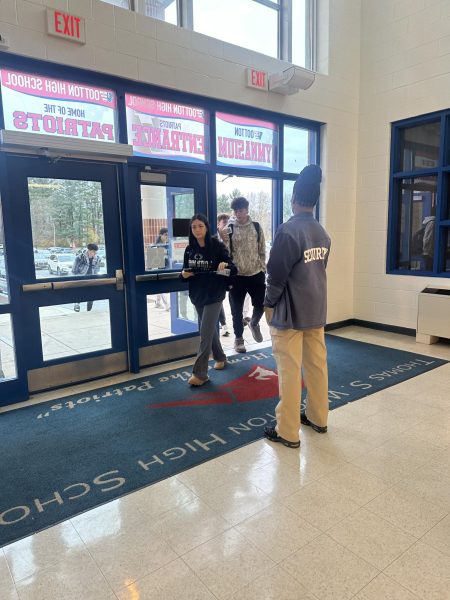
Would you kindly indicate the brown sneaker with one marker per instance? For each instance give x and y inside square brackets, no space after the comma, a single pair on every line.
[220,364]
[194,380]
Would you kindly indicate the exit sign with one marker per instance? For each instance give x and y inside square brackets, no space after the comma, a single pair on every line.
[65,25]
[257,79]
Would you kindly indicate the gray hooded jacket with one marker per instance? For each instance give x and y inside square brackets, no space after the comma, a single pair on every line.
[297,283]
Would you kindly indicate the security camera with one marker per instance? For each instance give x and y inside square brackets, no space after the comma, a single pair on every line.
[291,80]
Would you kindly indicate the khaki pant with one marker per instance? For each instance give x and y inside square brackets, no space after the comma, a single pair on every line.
[293,350]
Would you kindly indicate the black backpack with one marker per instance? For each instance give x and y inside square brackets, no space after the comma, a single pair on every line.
[257,227]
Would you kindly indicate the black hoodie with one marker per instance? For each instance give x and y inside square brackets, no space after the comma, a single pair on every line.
[206,287]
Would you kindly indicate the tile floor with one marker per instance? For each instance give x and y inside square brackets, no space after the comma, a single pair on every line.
[362,512]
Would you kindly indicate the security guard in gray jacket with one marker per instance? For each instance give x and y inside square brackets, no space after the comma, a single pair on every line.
[296,307]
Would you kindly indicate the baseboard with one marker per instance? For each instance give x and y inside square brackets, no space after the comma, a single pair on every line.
[371,325]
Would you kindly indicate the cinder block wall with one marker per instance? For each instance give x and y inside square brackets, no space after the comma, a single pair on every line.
[123,43]
[405,71]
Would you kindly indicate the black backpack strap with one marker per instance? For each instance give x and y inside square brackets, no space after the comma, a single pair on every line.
[230,239]
[258,230]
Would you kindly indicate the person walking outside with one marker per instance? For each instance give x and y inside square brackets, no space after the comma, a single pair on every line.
[207,267]
[245,241]
[222,222]
[163,242]
[86,263]
[296,308]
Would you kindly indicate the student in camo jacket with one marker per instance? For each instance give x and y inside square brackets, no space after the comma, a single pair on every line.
[296,309]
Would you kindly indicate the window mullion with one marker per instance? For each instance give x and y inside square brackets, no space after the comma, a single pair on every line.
[285,30]
[185,14]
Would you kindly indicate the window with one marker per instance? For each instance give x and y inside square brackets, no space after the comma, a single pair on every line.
[167,130]
[283,29]
[246,142]
[419,211]
[256,27]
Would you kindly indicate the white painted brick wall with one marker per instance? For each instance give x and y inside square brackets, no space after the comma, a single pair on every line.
[405,71]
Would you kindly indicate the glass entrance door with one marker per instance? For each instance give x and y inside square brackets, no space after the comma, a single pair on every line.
[168,201]
[64,269]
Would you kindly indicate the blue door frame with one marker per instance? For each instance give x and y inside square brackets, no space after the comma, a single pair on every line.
[24,307]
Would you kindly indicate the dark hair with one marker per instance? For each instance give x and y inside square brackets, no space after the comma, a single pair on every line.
[163,230]
[306,190]
[203,219]
[239,202]
[92,247]
[222,216]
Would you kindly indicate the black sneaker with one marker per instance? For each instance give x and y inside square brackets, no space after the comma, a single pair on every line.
[305,421]
[272,435]
[256,332]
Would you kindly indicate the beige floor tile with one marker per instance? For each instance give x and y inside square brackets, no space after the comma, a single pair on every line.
[277,531]
[312,462]
[8,592]
[43,549]
[7,587]
[227,563]
[133,552]
[207,476]
[172,582]
[276,584]
[320,506]
[157,499]
[237,502]
[388,466]
[345,445]
[252,456]
[71,580]
[430,484]
[407,511]
[441,462]
[371,538]
[424,571]
[439,536]
[328,570]
[190,525]
[278,479]
[384,588]
[355,483]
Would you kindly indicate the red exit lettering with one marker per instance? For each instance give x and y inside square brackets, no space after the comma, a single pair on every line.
[67,24]
[259,78]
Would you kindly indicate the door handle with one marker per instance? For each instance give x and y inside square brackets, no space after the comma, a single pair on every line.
[158,276]
[36,287]
[64,285]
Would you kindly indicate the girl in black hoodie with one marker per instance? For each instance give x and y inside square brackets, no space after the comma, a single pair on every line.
[207,267]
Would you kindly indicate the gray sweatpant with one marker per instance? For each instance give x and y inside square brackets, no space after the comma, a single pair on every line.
[209,339]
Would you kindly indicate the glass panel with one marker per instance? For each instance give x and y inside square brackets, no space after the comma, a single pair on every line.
[164,310]
[299,33]
[288,187]
[417,210]
[419,147]
[162,129]
[66,216]
[121,3]
[296,149]
[75,329]
[256,27]
[4,294]
[164,10]
[447,250]
[7,349]
[164,246]
[259,195]
[38,104]
[246,142]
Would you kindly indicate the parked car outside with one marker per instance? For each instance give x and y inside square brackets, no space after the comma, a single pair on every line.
[41,260]
[61,264]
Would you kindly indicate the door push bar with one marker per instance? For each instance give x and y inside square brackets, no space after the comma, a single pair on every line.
[64,285]
[158,276]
